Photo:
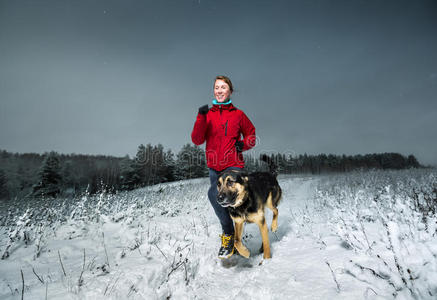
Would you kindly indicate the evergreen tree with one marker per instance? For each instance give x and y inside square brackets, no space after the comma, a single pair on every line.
[127,173]
[139,167]
[67,175]
[157,164]
[168,167]
[148,165]
[111,175]
[412,162]
[190,162]
[250,163]
[49,177]
[4,154]
[94,184]
[4,193]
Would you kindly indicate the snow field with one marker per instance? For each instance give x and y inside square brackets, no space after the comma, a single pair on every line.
[161,242]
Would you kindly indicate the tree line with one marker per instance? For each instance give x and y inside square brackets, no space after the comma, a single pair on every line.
[52,174]
[323,163]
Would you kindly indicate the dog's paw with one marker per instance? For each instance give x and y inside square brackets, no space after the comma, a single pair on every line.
[242,250]
[267,256]
[245,253]
[274,226]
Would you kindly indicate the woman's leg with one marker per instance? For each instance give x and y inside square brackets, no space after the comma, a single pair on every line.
[221,212]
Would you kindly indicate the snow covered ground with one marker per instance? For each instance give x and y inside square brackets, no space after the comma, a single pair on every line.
[347,236]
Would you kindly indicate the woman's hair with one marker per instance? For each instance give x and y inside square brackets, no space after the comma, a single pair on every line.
[225,79]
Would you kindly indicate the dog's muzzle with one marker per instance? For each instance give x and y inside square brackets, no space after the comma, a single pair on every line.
[225,200]
[222,200]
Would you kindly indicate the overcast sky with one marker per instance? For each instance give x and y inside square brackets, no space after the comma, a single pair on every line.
[314,76]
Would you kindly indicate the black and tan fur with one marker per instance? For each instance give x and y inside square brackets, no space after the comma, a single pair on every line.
[246,196]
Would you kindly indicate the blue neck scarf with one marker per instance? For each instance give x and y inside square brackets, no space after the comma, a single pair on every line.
[221,103]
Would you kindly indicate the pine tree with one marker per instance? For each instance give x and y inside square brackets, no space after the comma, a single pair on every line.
[165,164]
[49,177]
[199,161]
[249,163]
[149,167]
[183,163]
[157,164]
[169,166]
[67,175]
[127,173]
[412,162]
[4,193]
[190,163]
[139,167]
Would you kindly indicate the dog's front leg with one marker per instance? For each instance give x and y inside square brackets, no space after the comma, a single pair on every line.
[265,237]
[238,243]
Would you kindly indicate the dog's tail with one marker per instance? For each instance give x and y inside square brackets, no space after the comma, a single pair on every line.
[272,166]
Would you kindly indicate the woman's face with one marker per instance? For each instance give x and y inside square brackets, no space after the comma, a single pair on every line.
[222,93]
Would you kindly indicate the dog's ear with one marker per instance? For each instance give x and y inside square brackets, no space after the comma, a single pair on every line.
[242,178]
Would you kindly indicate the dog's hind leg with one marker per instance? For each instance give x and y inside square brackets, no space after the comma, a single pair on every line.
[238,235]
[265,237]
[270,205]
[275,219]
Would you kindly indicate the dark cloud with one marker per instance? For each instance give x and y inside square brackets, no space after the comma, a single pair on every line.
[314,76]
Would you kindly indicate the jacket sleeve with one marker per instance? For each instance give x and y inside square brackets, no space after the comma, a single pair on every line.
[248,131]
[198,135]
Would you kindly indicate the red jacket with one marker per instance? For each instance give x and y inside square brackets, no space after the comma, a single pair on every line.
[221,127]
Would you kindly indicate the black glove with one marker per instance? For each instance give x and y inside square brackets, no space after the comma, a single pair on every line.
[239,146]
[203,110]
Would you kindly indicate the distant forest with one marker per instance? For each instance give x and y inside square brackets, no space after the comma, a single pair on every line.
[69,175]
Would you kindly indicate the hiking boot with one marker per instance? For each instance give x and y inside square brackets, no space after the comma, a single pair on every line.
[227,247]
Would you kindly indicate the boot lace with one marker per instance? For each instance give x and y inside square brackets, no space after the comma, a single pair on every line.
[225,240]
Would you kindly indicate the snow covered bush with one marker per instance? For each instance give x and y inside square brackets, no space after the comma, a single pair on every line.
[389,219]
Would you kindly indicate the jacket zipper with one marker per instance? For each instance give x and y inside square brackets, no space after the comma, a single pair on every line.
[220,148]
[226,124]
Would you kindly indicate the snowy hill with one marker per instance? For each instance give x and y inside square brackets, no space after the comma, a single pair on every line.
[353,236]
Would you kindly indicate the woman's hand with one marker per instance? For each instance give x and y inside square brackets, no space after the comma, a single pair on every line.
[239,146]
[203,110]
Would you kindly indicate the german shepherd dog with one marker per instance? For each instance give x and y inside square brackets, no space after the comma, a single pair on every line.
[246,195]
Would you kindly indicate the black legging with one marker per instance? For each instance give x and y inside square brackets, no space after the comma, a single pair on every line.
[221,212]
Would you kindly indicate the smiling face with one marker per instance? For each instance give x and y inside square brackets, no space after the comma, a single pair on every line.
[222,91]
